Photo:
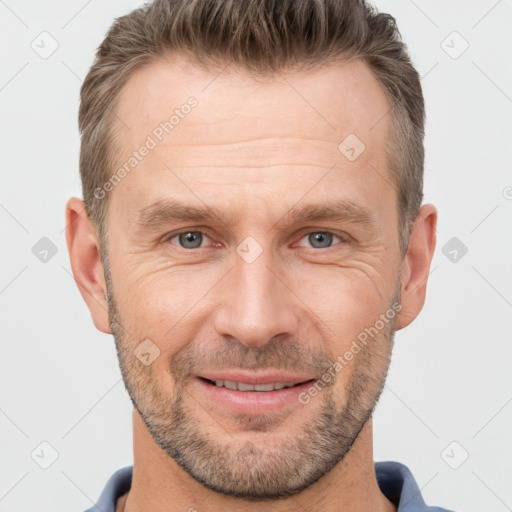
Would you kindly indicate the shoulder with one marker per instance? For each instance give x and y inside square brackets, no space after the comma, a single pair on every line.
[117,485]
[398,484]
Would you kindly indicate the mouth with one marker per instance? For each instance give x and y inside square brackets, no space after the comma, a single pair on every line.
[251,394]
[244,386]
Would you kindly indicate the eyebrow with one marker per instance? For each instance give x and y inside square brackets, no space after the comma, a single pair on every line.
[338,211]
[169,211]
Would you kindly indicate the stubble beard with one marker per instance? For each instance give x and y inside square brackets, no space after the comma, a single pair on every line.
[278,466]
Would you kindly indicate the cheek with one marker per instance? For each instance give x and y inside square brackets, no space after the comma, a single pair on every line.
[346,299]
[349,302]
[166,306]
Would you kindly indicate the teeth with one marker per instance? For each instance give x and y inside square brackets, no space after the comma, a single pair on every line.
[260,387]
[230,384]
[242,386]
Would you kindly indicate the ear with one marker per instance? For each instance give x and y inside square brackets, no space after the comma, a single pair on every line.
[416,265]
[86,263]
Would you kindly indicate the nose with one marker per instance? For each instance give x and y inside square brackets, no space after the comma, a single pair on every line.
[256,303]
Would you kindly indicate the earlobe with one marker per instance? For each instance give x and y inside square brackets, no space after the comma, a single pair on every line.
[86,262]
[416,265]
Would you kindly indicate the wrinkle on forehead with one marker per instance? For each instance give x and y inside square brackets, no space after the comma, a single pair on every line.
[317,108]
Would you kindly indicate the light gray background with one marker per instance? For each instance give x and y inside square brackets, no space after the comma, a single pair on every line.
[450,375]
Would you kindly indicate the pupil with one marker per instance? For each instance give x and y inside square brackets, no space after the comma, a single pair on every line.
[189,240]
[324,239]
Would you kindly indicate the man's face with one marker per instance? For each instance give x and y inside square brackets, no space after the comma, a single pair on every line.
[260,294]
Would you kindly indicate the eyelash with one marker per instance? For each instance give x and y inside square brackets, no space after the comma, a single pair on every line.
[343,239]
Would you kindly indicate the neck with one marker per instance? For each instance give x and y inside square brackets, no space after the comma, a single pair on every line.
[158,483]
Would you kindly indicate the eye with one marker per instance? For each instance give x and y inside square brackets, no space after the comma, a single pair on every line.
[189,239]
[321,239]
[194,239]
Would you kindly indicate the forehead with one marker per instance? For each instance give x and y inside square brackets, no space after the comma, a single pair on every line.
[331,101]
[286,127]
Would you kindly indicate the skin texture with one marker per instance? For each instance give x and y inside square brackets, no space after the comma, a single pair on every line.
[254,149]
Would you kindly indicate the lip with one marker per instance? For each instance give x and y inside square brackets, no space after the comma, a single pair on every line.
[251,402]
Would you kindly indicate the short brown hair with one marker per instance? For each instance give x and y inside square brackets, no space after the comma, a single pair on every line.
[261,37]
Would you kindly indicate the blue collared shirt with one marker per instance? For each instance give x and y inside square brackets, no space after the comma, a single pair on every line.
[395,480]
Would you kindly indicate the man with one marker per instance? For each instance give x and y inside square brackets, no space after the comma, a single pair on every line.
[252,235]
